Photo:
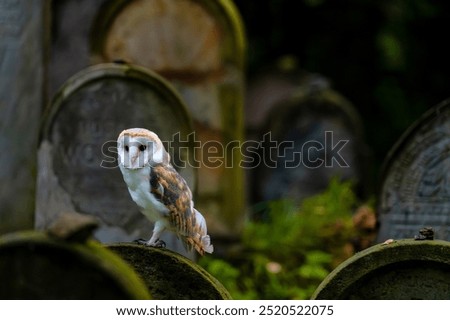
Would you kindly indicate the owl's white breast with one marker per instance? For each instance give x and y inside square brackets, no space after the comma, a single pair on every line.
[138,182]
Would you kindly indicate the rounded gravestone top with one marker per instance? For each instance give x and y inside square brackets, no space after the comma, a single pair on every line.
[319,135]
[131,30]
[403,269]
[169,275]
[415,190]
[36,266]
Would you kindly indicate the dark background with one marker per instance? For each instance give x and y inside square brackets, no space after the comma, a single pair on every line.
[389,58]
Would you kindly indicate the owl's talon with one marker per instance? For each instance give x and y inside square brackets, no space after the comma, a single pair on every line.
[141,241]
[159,244]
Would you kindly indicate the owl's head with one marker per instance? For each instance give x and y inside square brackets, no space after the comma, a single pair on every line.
[138,148]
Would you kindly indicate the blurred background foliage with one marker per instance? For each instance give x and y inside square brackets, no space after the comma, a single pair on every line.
[287,254]
[389,58]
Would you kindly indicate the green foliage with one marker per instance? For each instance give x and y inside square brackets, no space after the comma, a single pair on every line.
[287,255]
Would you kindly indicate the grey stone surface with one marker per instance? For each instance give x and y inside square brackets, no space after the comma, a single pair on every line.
[70,46]
[21,100]
[415,191]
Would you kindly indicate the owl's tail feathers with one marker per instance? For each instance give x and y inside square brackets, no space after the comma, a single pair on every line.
[202,242]
[206,244]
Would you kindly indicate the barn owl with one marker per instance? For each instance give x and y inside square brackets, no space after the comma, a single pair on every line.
[160,192]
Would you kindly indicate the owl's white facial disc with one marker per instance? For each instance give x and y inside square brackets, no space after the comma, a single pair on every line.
[138,148]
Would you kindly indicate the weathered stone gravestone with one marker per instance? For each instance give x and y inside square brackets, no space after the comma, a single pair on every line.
[404,269]
[415,191]
[199,47]
[34,265]
[77,158]
[169,275]
[271,86]
[66,263]
[311,136]
[69,49]
[21,100]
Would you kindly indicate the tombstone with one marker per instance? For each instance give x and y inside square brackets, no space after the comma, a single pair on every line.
[199,47]
[310,137]
[272,85]
[415,188]
[69,52]
[34,265]
[170,276]
[404,269]
[21,100]
[77,158]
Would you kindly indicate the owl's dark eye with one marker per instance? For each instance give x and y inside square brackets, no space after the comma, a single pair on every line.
[126,148]
[142,147]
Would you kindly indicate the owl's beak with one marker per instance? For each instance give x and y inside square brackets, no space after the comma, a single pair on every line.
[134,159]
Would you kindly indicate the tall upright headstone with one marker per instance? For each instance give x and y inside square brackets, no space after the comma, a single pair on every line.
[198,45]
[22,35]
[78,168]
[415,191]
[71,25]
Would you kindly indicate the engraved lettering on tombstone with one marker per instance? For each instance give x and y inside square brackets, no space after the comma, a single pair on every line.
[77,162]
[415,191]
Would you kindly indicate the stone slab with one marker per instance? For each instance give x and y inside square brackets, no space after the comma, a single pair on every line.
[21,104]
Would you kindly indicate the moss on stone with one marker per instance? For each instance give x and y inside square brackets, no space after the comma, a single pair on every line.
[36,266]
[404,269]
[169,275]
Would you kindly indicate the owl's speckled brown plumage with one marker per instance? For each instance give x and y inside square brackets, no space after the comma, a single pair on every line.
[176,196]
[162,195]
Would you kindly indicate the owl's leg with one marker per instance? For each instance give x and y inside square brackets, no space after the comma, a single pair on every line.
[154,240]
